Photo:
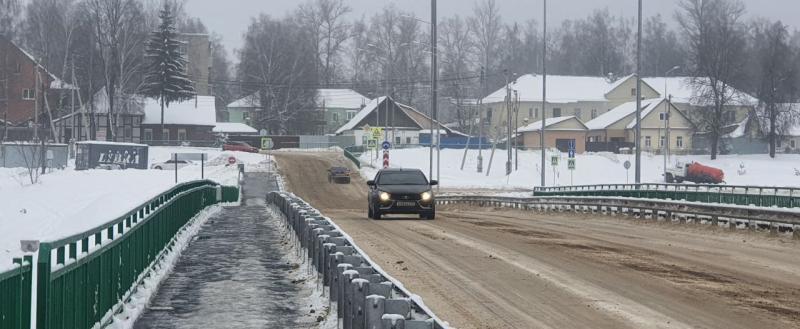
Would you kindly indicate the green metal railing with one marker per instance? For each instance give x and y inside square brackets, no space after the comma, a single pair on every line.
[352,157]
[82,277]
[760,196]
[230,193]
[15,295]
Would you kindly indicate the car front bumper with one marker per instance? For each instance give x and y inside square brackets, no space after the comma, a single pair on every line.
[406,207]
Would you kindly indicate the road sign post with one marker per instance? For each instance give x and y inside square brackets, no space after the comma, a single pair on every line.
[267,143]
[554,163]
[627,166]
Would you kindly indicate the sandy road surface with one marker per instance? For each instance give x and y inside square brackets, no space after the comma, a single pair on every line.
[496,268]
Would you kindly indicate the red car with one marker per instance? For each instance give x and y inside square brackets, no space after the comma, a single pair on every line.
[239,146]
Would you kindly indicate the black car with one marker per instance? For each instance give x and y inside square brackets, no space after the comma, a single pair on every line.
[401,191]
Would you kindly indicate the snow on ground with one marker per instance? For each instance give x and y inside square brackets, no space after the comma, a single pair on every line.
[68,202]
[595,168]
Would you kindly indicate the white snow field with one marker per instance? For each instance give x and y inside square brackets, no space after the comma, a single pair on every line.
[68,202]
[594,168]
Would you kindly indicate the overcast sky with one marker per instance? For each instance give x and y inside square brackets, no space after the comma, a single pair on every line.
[230,18]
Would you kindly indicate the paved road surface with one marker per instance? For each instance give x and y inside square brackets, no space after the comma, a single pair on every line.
[497,268]
[233,275]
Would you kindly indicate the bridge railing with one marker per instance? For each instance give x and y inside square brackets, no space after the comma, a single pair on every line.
[743,195]
[83,277]
[15,295]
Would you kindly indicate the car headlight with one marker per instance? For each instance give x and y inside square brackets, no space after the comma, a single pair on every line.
[426,196]
[385,196]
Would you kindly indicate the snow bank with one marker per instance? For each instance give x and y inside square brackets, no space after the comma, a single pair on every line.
[594,168]
[68,202]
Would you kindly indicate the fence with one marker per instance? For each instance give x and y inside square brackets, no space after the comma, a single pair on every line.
[364,296]
[15,295]
[732,216]
[82,278]
[782,197]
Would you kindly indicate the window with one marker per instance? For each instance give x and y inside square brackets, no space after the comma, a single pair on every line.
[647,141]
[578,114]
[397,140]
[351,115]
[335,117]
[408,140]
[246,116]
[679,142]
[536,113]
[662,116]
[181,134]
[661,141]
[27,94]
[165,135]
[594,113]
[791,143]
[633,92]
[17,68]
[128,132]
[530,112]
[489,116]
[148,134]
[556,112]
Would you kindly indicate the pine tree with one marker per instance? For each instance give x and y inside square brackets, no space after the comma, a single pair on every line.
[166,79]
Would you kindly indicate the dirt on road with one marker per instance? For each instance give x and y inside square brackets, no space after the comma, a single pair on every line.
[501,268]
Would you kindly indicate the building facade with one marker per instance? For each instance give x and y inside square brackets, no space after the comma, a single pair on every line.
[197,49]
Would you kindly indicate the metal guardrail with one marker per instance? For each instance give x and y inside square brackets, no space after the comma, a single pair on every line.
[352,157]
[772,219]
[15,295]
[782,197]
[365,296]
[81,278]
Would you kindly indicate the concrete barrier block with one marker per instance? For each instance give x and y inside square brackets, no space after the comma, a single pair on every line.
[336,284]
[360,288]
[399,306]
[382,289]
[374,309]
[348,302]
[393,321]
[796,231]
[419,324]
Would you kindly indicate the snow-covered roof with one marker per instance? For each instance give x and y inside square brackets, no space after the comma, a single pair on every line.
[609,118]
[549,122]
[233,128]
[340,99]
[198,111]
[560,89]
[249,101]
[56,83]
[371,106]
[683,91]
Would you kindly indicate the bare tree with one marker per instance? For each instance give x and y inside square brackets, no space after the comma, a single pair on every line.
[457,60]
[661,48]
[9,18]
[486,25]
[325,20]
[119,28]
[277,62]
[775,77]
[715,33]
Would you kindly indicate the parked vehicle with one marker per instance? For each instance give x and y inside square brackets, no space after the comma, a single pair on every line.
[170,164]
[401,191]
[239,146]
[339,174]
[695,172]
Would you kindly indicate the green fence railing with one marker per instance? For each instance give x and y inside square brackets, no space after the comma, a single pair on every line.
[760,196]
[230,193]
[352,157]
[15,295]
[81,278]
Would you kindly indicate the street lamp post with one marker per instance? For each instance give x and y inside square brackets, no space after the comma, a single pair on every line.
[434,93]
[639,98]
[544,92]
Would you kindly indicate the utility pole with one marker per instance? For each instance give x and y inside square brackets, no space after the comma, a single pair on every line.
[435,86]
[544,92]
[516,130]
[36,101]
[508,125]
[668,104]
[4,84]
[639,98]
[480,120]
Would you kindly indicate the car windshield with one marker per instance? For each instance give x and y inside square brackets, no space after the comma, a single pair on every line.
[402,178]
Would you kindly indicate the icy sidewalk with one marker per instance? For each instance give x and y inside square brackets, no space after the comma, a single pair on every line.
[236,274]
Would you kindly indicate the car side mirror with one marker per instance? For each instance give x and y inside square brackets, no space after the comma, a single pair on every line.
[434,182]
[370,183]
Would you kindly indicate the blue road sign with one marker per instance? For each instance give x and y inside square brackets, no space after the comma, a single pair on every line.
[386,145]
[571,150]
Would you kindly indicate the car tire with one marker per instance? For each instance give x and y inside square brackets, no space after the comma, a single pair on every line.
[428,216]
[369,212]
[376,214]
[669,178]
[158,168]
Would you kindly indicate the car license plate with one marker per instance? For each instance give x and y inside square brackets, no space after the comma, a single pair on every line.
[406,203]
